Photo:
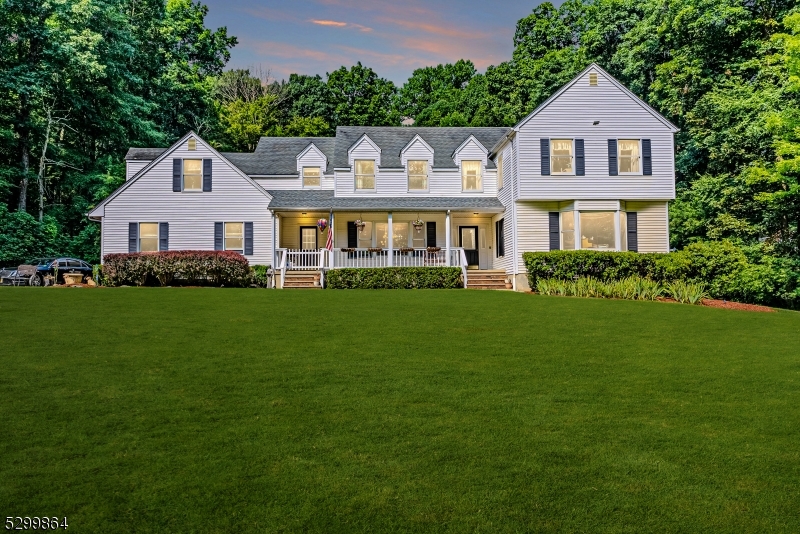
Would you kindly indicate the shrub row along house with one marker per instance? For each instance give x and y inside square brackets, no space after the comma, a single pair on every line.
[591,168]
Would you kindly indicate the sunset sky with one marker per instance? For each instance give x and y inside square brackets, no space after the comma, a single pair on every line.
[394,37]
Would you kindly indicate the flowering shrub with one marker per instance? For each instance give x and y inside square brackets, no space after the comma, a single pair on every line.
[193,267]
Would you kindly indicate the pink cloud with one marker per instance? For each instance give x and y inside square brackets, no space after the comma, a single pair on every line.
[339,24]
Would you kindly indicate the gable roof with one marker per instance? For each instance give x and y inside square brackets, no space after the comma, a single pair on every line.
[614,82]
[393,139]
[469,139]
[277,156]
[414,140]
[166,152]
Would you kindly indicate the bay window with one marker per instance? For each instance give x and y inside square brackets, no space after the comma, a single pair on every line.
[471,179]
[365,174]
[418,175]
[598,230]
[561,156]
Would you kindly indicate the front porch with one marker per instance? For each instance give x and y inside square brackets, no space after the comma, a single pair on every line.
[377,239]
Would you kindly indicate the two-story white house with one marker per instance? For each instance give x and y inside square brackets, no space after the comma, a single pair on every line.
[592,167]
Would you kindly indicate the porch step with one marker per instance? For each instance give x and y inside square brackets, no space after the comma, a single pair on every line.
[300,280]
[494,279]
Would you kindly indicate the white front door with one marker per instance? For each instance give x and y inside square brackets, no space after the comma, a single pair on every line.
[308,238]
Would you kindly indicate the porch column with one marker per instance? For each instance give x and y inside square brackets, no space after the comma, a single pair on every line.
[391,242]
[331,228]
[447,237]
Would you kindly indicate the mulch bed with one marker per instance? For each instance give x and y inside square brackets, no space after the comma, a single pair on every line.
[728,305]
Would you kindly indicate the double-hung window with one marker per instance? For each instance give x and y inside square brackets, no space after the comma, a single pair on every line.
[234,237]
[471,179]
[193,175]
[365,174]
[628,156]
[148,237]
[417,175]
[561,155]
[311,176]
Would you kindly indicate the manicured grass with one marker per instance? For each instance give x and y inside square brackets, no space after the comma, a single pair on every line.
[214,410]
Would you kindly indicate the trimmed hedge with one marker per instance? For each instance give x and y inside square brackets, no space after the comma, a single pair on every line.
[188,267]
[395,278]
[723,267]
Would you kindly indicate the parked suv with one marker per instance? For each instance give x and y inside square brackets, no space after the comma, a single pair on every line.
[46,266]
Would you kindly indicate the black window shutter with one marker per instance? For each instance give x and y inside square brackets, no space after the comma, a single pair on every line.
[633,236]
[430,229]
[248,239]
[500,238]
[544,145]
[352,235]
[555,238]
[206,175]
[177,172]
[133,237]
[647,158]
[163,236]
[218,236]
[580,158]
[612,157]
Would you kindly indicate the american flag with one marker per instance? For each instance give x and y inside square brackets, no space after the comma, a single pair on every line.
[329,242]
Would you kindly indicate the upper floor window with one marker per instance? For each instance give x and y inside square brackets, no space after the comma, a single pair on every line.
[311,176]
[629,156]
[561,154]
[499,164]
[418,175]
[471,179]
[234,236]
[365,174]
[192,175]
[192,145]
[148,237]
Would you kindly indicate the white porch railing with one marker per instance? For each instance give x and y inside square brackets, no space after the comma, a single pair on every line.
[362,258]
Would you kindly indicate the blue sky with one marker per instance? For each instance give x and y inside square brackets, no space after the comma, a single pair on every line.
[394,37]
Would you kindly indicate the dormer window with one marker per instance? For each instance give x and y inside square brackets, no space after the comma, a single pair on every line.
[561,156]
[192,145]
[365,174]
[471,179]
[311,176]
[418,175]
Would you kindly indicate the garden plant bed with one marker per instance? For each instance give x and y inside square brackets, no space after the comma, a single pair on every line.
[728,305]
[212,410]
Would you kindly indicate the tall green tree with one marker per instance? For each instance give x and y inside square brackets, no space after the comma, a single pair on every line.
[362,98]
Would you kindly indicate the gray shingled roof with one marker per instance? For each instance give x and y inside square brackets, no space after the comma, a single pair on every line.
[444,141]
[146,154]
[324,200]
[278,155]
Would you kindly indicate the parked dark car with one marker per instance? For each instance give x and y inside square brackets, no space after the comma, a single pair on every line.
[46,266]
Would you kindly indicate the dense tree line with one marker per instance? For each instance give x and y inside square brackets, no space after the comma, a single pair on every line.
[80,82]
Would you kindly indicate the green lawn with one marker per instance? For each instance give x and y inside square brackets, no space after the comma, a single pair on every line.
[224,410]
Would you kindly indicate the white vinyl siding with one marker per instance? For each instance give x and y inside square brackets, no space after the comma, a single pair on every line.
[570,116]
[652,225]
[133,166]
[191,218]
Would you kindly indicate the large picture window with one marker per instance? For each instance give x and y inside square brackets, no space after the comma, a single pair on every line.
[598,230]
[561,156]
[234,237]
[418,175]
[399,235]
[629,156]
[148,237]
[193,175]
[471,176]
[365,174]
[311,176]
